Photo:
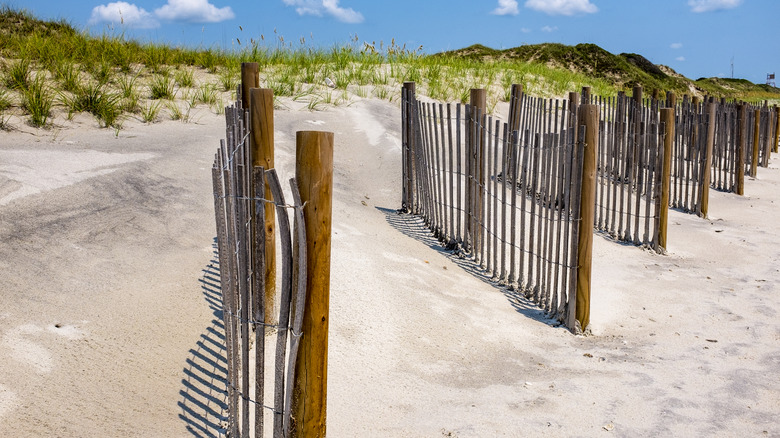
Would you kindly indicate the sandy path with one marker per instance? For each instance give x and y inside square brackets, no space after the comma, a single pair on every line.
[420,344]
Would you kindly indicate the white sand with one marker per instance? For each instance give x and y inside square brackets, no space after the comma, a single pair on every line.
[107,328]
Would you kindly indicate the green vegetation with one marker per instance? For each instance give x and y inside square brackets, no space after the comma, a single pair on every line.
[113,77]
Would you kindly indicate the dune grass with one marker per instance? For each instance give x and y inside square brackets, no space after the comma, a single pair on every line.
[126,74]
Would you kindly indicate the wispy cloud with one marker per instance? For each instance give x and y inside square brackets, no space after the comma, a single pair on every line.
[562,7]
[194,11]
[549,28]
[680,58]
[525,30]
[325,7]
[132,16]
[123,13]
[676,45]
[712,5]
[506,7]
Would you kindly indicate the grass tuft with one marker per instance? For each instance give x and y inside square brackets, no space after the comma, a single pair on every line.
[162,87]
[37,101]
[16,76]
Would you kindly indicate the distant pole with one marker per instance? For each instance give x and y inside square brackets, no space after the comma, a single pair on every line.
[585,95]
[261,107]
[408,151]
[588,116]
[756,136]
[314,172]
[667,117]
[478,101]
[776,138]
[741,142]
[705,188]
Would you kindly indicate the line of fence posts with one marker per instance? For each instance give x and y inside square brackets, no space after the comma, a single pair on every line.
[426,190]
[248,201]
[684,156]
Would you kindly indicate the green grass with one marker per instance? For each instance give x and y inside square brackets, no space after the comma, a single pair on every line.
[124,72]
[96,99]
[37,101]
[162,87]
[16,75]
[150,112]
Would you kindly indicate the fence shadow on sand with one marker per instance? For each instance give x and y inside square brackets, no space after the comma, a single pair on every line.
[204,385]
[414,227]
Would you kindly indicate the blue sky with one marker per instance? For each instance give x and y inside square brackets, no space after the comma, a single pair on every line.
[698,38]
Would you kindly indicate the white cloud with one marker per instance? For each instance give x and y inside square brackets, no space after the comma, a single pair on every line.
[549,29]
[322,7]
[125,14]
[676,45]
[562,7]
[506,7]
[525,30]
[194,11]
[712,5]
[680,58]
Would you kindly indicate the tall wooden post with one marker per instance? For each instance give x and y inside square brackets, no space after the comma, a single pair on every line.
[741,143]
[478,102]
[574,103]
[705,189]
[588,116]
[667,117]
[756,137]
[407,148]
[261,111]
[250,78]
[314,172]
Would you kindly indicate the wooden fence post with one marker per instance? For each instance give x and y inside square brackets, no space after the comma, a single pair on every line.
[588,116]
[705,184]
[776,138]
[261,110]
[407,151]
[741,143]
[478,101]
[314,172]
[756,136]
[667,117]
[585,95]
[514,108]
[250,78]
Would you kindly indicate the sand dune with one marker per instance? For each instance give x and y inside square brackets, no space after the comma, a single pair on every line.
[109,327]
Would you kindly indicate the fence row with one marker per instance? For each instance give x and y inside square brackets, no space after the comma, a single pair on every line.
[510,194]
[512,199]
[251,215]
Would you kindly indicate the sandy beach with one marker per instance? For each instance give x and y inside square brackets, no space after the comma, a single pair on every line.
[109,317]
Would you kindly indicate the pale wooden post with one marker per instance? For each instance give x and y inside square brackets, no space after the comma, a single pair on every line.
[705,189]
[408,151]
[588,116]
[250,78]
[741,143]
[756,135]
[261,110]
[667,117]
[314,172]
[478,101]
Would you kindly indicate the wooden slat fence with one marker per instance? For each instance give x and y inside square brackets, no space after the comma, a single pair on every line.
[629,170]
[508,198]
[239,212]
